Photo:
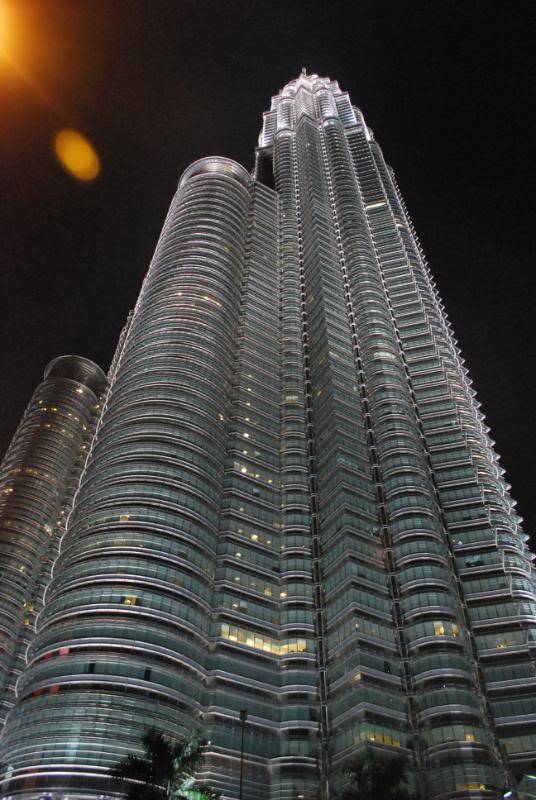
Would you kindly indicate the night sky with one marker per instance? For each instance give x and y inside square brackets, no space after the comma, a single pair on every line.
[446,87]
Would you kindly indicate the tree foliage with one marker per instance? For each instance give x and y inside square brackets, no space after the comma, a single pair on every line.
[373,778]
[166,771]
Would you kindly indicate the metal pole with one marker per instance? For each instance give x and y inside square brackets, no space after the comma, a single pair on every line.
[243,718]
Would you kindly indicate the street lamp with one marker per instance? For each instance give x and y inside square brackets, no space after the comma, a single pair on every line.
[243,718]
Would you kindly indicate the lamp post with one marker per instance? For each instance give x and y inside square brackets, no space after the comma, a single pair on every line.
[243,718]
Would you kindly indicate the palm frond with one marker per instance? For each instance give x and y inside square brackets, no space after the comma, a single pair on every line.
[200,793]
[166,771]
[143,791]
[160,752]
[188,754]
[132,768]
[371,777]
[190,790]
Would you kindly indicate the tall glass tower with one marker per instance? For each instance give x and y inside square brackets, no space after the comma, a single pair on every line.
[38,479]
[291,505]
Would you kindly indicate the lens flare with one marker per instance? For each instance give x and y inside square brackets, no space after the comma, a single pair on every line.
[76,155]
[4,29]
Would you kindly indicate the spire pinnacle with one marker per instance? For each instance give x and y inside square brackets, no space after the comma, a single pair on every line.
[304,70]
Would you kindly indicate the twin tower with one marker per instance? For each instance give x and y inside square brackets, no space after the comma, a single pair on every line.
[283,499]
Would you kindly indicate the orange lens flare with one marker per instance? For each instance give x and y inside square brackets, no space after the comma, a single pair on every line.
[5,29]
[76,155]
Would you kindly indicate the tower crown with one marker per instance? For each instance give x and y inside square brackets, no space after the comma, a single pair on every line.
[311,83]
[311,95]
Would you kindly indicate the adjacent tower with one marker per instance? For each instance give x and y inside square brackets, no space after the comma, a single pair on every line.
[38,479]
[291,507]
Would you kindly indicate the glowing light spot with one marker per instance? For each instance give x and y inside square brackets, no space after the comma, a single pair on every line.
[9,29]
[76,155]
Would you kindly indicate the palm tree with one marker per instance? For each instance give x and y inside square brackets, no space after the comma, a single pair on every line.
[165,772]
[373,778]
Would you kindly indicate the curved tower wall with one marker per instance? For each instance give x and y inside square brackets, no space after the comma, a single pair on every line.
[38,478]
[292,505]
[123,641]
[264,649]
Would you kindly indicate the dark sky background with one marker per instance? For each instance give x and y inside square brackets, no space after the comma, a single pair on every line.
[446,87]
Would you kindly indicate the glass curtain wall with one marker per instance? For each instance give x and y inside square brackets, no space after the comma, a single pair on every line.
[292,508]
[38,478]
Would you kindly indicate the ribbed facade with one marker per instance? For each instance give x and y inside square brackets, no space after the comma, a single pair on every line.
[38,479]
[291,506]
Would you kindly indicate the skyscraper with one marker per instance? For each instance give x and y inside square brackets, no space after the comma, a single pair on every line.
[291,504]
[38,478]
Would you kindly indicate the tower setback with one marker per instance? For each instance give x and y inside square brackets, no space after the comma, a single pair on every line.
[291,505]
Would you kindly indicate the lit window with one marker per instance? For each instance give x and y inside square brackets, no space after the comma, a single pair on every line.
[130,600]
[124,517]
[455,629]
[439,629]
